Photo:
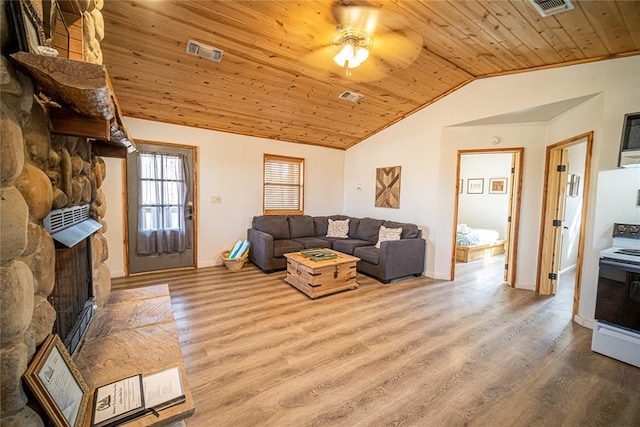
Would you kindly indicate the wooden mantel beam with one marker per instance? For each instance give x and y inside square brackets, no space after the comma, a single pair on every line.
[80,85]
[84,90]
[67,122]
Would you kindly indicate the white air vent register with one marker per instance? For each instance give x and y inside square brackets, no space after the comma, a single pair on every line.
[551,7]
[350,96]
[204,51]
[71,225]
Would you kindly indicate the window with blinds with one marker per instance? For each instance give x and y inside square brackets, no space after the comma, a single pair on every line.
[283,185]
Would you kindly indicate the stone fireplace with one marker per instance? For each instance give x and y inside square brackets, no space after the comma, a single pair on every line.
[42,170]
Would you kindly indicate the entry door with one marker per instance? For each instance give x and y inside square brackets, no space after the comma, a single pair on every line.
[160,210]
[553,216]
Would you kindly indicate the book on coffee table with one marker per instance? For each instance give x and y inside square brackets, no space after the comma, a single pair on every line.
[137,396]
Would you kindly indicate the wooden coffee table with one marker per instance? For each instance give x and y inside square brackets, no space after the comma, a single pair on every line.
[318,278]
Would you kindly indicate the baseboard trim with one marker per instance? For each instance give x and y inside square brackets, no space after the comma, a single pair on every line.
[587,323]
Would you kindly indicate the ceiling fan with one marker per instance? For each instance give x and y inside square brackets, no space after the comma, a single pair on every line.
[368,43]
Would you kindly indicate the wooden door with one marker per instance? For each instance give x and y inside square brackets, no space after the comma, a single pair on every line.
[511,249]
[553,216]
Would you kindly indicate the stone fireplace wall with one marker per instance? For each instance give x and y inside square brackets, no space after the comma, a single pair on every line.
[38,172]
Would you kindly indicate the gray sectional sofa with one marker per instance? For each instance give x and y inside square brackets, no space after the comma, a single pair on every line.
[272,236]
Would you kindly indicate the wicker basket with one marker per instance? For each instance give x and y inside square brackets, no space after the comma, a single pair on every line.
[233,264]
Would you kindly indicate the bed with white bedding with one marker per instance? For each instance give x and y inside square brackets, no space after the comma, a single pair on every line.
[475,243]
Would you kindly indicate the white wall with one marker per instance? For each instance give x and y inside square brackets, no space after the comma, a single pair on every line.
[113,188]
[427,149]
[486,210]
[229,166]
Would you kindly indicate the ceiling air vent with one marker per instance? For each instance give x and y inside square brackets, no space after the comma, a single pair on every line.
[204,51]
[551,7]
[350,96]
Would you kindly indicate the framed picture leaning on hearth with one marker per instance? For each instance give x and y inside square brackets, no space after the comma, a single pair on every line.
[57,384]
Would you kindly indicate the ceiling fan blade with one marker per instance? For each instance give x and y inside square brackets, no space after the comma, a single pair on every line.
[362,18]
[321,58]
[399,49]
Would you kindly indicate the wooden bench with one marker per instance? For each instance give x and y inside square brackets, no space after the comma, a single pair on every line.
[134,333]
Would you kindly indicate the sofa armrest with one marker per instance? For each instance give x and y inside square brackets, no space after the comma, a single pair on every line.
[260,248]
[402,257]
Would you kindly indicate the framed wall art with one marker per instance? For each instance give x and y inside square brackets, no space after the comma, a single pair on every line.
[388,187]
[498,186]
[475,186]
[57,384]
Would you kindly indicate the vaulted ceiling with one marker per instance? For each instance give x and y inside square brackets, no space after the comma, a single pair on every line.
[277,78]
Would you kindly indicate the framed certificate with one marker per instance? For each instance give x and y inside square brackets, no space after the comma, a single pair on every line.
[57,384]
[118,402]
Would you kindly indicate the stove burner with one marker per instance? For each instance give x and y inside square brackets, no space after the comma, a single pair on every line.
[634,252]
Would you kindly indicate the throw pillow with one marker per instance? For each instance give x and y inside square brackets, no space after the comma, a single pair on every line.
[386,234]
[338,228]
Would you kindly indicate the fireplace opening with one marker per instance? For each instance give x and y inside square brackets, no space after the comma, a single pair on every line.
[72,295]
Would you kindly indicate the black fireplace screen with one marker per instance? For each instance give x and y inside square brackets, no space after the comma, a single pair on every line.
[72,294]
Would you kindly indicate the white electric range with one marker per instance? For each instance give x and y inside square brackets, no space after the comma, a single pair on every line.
[616,332]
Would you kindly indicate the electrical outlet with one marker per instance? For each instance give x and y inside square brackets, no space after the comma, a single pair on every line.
[215,199]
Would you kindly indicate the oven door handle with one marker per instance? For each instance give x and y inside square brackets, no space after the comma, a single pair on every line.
[617,332]
[622,265]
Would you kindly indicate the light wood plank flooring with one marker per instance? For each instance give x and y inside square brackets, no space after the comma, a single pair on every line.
[416,352]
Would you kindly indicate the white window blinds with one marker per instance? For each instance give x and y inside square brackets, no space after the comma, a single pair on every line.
[283,185]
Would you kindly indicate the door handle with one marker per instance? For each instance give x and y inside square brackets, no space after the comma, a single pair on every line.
[189,210]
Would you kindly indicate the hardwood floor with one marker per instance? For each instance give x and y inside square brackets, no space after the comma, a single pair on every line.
[415,352]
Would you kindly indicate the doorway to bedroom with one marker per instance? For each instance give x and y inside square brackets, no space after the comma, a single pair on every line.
[486,211]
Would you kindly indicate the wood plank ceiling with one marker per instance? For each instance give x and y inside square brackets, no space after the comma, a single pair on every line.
[277,80]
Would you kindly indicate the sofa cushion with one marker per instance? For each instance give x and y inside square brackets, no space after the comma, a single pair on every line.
[300,226]
[409,231]
[284,246]
[387,234]
[368,229]
[347,246]
[275,225]
[320,225]
[369,254]
[338,228]
[313,242]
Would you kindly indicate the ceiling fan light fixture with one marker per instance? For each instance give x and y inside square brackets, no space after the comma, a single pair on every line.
[347,53]
[354,48]
[362,54]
